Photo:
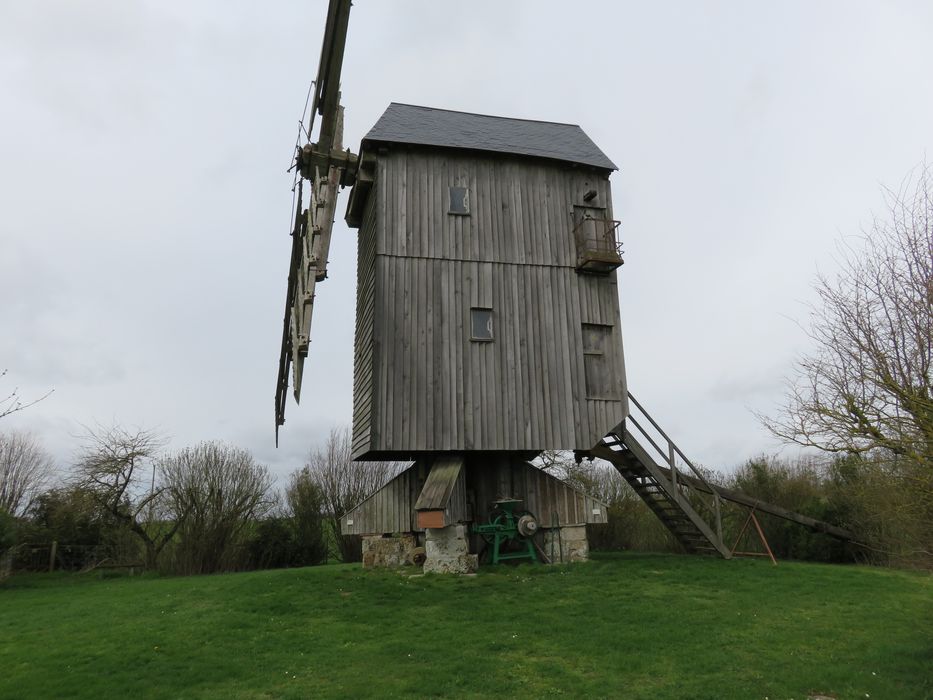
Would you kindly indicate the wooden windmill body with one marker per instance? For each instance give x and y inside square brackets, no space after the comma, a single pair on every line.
[487,302]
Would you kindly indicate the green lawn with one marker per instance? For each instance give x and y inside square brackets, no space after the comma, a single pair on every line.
[630,626]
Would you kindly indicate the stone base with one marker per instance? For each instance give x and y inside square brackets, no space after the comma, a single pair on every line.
[572,542]
[447,551]
[388,552]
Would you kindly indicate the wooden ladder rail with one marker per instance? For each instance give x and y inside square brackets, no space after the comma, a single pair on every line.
[660,476]
[670,459]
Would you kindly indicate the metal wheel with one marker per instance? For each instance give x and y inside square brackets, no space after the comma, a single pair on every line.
[519,514]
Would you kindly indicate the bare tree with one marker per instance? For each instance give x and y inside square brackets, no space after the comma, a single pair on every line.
[117,466]
[867,385]
[866,388]
[25,469]
[345,483]
[12,402]
[220,489]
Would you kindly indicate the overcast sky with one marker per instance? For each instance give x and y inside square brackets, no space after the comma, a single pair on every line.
[145,204]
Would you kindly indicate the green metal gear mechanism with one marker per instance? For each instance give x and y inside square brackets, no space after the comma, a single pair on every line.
[507,524]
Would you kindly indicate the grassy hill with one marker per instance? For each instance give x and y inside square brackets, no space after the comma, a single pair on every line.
[632,626]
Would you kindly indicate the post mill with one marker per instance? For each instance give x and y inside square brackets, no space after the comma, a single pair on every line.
[487,331]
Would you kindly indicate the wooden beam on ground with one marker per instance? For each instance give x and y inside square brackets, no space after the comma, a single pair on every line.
[764,507]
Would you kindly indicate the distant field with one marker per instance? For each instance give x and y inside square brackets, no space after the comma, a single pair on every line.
[629,626]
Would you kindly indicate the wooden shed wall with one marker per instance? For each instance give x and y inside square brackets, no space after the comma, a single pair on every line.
[390,509]
[483,480]
[514,253]
[551,500]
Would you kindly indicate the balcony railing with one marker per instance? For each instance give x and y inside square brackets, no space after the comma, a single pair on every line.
[598,251]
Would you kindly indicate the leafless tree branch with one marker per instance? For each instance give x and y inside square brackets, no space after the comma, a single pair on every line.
[113,464]
[12,403]
[867,385]
[345,483]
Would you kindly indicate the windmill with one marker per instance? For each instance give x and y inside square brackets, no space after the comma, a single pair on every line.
[487,331]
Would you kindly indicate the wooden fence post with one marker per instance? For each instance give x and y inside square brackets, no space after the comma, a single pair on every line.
[52,554]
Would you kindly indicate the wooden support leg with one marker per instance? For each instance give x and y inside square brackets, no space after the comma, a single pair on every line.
[764,540]
[751,519]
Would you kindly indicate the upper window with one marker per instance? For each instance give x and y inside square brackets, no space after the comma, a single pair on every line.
[480,324]
[459,201]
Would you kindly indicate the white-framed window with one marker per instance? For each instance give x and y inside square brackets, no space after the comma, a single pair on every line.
[458,201]
[481,324]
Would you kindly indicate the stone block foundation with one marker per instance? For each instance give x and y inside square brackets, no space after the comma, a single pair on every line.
[388,552]
[572,542]
[447,551]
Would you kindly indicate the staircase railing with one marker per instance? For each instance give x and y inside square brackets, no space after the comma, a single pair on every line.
[669,458]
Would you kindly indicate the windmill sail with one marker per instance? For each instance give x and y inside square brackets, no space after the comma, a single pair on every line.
[327,167]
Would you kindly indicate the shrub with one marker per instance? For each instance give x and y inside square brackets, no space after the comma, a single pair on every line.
[7,531]
[305,502]
[216,491]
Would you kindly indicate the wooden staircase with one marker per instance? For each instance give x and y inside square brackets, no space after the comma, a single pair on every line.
[666,491]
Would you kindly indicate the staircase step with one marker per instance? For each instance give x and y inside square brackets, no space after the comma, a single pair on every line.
[674,511]
[655,497]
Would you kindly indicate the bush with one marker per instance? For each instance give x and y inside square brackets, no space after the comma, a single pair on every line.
[273,545]
[7,531]
[86,533]
[800,486]
[278,542]
[216,491]
[305,502]
[883,509]
[69,515]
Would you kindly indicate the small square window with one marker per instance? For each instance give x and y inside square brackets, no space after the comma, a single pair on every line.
[459,201]
[481,324]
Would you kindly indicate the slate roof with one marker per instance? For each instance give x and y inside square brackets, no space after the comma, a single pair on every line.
[427,126]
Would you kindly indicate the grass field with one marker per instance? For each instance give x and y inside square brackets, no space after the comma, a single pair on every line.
[628,626]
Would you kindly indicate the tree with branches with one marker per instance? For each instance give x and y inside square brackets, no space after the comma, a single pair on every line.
[117,466]
[345,483]
[25,470]
[867,385]
[865,389]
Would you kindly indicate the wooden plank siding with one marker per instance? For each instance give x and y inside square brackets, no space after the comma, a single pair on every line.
[438,488]
[390,509]
[363,360]
[421,384]
[551,500]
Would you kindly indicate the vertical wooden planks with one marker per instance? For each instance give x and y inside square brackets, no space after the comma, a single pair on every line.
[514,253]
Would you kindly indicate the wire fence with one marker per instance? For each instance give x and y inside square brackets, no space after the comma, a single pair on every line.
[56,556]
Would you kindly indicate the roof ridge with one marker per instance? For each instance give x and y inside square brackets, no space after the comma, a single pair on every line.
[488,116]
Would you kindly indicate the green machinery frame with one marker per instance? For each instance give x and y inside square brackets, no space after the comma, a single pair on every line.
[507,524]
